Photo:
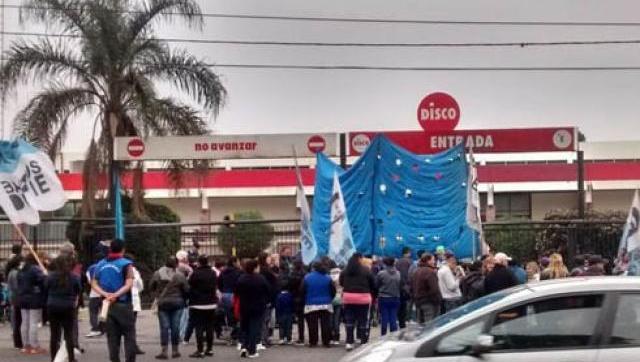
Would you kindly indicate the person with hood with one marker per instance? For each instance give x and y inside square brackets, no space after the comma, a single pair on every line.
[472,285]
[426,292]
[388,282]
[359,289]
[403,265]
[226,284]
[31,300]
[254,293]
[64,289]
[318,292]
[500,277]
[170,289]
[203,302]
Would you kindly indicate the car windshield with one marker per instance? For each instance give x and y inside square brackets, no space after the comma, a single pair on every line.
[469,308]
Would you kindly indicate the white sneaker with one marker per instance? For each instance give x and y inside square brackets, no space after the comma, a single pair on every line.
[348,347]
[335,343]
[281,342]
[244,353]
[93,334]
[255,355]
[239,347]
[260,347]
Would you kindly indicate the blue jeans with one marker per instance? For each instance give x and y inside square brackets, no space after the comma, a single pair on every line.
[170,323]
[227,306]
[285,323]
[357,315]
[388,314]
[336,320]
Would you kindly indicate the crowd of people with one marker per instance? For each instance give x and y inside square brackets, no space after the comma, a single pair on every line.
[250,298]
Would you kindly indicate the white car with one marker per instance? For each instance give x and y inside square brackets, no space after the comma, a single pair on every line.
[569,320]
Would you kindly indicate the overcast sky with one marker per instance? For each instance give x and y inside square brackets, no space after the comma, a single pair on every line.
[604,105]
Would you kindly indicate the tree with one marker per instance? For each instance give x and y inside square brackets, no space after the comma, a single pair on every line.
[246,233]
[107,65]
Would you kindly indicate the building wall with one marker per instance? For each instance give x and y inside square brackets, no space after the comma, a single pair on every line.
[270,207]
[603,200]
[619,200]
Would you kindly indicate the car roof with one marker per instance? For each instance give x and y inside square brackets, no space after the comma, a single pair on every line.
[585,284]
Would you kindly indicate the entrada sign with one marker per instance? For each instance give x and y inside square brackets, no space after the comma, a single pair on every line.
[482,141]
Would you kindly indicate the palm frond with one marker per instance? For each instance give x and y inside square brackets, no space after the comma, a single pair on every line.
[70,14]
[151,10]
[44,121]
[42,61]
[188,74]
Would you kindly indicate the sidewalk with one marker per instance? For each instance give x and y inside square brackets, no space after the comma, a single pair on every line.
[148,339]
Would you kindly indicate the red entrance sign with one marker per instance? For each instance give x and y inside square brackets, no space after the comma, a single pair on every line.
[482,141]
[135,147]
[316,144]
[438,112]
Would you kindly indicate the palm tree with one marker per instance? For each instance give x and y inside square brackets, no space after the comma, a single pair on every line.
[106,65]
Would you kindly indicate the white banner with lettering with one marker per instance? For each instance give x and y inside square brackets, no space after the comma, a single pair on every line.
[221,147]
[28,183]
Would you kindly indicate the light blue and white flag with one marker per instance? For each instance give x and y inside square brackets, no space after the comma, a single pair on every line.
[28,182]
[308,245]
[341,245]
[629,251]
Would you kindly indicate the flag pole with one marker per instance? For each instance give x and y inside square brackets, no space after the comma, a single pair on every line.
[28,244]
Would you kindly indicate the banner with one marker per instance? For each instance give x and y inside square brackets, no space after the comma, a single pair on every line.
[629,251]
[29,183]
[224,147]
[340,240]
[308,245]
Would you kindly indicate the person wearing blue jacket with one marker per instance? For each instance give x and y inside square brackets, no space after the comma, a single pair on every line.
[31,299]
[318,291]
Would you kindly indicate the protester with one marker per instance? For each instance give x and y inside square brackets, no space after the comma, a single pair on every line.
[136,301]
[95,302]
[265,261]
[403,265]
[426,291]
[31,300]
[170,289]
[284,315]
[595,267]
[113,281]
[500,277]
[358,290]
[336,317]
[518,272]
[544,262]
[202,305]
[580,262]
[295,281]
[533,272]
[12,268]
[318,291]
[472,285]
[488,262]
[63,289]
[254,294]
[556,269]
[449,276]
[388,282]
[440,255]
[226,284]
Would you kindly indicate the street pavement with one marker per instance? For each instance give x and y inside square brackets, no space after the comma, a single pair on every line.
[148,339]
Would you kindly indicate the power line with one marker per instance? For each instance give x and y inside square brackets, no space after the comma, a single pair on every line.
[522,44]
[395,21]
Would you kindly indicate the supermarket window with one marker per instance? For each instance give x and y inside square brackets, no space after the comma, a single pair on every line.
[510,206]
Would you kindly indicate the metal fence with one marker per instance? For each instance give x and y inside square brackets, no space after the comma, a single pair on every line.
[524,240]
[528,240]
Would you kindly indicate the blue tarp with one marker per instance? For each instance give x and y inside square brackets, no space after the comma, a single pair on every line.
[395,198]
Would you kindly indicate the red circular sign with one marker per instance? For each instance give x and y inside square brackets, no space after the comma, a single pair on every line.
[438,112]
[316,144]
[135,147]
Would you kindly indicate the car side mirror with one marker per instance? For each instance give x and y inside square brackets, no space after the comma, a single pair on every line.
[484,344]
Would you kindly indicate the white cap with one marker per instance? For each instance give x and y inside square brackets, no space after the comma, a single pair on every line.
[501,258]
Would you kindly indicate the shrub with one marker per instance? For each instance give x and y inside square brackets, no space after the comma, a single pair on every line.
[249,238]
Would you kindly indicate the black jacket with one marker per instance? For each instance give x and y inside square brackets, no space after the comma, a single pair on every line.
[361,282]
[202,286]
[498,279]
[63,295]
[228,279]
[31,287]
[272,281]
[254,293]
[472,286]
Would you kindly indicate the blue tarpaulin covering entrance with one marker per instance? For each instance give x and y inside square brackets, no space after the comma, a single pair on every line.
[395,198]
